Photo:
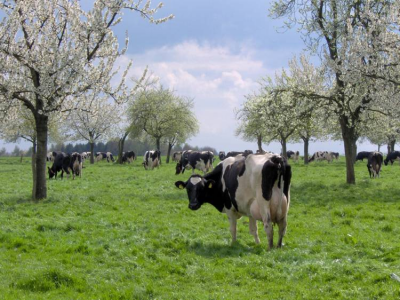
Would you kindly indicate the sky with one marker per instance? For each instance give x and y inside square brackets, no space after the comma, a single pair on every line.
[214,52]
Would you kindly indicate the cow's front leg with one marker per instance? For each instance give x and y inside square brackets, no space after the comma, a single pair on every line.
[253,229]
[269,230]
[232,222]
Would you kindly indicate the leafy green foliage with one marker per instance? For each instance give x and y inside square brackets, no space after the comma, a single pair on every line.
[121,232]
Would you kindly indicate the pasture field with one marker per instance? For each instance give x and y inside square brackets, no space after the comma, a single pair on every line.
[121,232]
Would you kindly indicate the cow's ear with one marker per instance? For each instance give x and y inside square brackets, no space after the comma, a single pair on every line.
[210,183]
[180,185]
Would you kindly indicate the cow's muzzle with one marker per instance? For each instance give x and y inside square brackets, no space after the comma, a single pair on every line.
[194,206]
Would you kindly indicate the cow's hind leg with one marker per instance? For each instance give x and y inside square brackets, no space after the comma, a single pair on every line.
[253,229]
[282,231]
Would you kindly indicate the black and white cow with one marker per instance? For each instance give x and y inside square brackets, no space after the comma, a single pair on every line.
[289,154]
[392,156]
[335,155]
[51,155]
[235,153]
[374,164]
[296,156]
[322,155]
[363,154]
[85,155]
[195,160]
[177,156]
[151,159]
[221,155]
[61,163]
[257,186]
[104,155]
[129,157]
[76,164]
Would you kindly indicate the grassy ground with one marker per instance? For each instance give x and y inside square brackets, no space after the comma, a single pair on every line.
[121,232]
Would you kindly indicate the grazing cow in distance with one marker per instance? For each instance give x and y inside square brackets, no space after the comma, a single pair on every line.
[289,154]
[151,159]
[257,186]
[392,156]
[235,153]
[195,160]
[335,155]
[76,164]
[128,156]
[321,155]
[363,154]
[85,155]
[374,164]
[177,156]
[221,155]
[296,156]
[61,163]
[104,155]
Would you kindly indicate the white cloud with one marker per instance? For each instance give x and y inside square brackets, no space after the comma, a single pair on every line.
[216,77]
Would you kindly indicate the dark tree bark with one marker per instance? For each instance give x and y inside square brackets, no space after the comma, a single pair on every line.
[91,153]
[121,144]
[259,143]
[306,145]
[33,163]
[169,152]
[392,143]
[283,143]
[41,122]
[158,145]
[350,148]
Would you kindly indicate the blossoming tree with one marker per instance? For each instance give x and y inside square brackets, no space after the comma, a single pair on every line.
[52,51]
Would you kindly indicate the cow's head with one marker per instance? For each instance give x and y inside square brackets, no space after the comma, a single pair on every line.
[179,169]
[386,161]
[196,188]
[51,172]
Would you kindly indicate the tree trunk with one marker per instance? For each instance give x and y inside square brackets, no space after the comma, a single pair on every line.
[379,148]
[169,152]
[158,143]
[121,143]
[91,153]
[349,139]
[33,163]
[306,144]
[283,143]
[392,143]
[41,131]
[259,143]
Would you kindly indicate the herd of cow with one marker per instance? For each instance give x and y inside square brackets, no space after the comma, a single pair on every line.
[242,184]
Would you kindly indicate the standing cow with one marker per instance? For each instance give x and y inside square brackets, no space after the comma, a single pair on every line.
[128,156]
[322,155]
[76,164]
[257,186]
[374,164]
[195,160]
[151,159]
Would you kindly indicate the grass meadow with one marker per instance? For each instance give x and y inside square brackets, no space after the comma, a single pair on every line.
[121,232]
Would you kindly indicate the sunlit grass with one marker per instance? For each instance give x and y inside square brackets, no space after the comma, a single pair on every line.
[121,232]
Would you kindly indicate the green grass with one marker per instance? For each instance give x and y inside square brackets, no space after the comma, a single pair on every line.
[121,232]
